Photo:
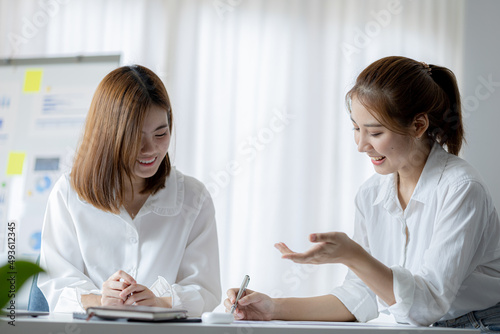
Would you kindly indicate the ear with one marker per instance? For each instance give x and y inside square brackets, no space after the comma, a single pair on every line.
[420,125]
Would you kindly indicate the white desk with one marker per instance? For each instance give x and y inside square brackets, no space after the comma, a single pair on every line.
[65,324]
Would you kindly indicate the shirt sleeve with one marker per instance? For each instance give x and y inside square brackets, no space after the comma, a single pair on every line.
[197,287]
[423,297]
[64,281]
[354,293]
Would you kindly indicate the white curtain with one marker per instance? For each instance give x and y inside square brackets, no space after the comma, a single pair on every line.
[257,88]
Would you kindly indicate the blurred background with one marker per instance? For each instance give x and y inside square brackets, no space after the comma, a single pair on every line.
[257,88]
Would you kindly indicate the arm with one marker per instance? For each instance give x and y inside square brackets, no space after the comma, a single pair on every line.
[258,306]
[337,247]
[321,308]
[64,281]
[466,224]
[423,296]
[377,276]
[197,287]
[90,300]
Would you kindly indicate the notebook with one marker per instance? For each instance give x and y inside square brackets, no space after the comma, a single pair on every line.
[137,313]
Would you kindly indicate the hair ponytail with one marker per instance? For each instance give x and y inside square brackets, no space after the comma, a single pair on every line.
[447,127]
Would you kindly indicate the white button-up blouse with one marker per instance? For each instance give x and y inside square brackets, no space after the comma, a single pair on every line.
[450,263]
[171,246]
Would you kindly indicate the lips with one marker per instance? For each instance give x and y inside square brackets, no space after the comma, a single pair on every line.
[147,162]
[378,160]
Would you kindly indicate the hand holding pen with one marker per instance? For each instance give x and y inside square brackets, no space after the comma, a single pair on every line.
[243,287]
[249,305]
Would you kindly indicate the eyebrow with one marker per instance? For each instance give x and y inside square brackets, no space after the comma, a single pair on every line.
[159,128]
[369,125]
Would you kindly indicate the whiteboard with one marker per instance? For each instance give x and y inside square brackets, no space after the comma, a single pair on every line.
[43,105]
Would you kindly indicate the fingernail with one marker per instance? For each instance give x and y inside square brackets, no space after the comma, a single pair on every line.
[313,237]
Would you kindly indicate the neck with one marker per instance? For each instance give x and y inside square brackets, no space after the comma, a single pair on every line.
[133,189]
[134,200]
[408,177]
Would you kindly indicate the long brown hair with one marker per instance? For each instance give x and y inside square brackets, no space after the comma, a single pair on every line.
[398,89]
[112,137]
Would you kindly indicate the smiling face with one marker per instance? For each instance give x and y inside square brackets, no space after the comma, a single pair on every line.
[389,151]
[155,140]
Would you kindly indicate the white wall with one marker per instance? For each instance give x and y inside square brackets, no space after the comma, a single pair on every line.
[481,100]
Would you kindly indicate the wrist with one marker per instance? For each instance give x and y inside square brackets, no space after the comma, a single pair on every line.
[164,302]
[90,300]
[356,257]
[278,307]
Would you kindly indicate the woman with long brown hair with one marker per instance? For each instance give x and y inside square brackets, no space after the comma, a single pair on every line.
[124,227]
[426,244]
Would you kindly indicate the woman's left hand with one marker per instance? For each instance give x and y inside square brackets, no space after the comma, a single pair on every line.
[332,247]
[137,294]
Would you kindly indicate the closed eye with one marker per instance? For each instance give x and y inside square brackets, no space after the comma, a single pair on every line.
[161,135]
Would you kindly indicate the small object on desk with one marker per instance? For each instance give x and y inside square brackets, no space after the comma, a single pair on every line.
[243,287]
[217,318]
[80,315]
[136,313]
[25,313]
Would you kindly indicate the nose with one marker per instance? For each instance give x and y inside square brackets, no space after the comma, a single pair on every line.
[363,143]
[146,145]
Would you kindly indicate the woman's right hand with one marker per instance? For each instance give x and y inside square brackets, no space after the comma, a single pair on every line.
[251,306]
[114,285]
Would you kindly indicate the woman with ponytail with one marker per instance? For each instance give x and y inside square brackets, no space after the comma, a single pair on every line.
[426,244]
[125,227]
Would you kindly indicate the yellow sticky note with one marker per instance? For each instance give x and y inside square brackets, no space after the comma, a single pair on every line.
[15,163]
[32,81]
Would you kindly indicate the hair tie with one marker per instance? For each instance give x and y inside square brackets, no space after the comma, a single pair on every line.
[427,67]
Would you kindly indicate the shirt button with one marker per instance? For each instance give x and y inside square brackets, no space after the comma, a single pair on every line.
[133,240]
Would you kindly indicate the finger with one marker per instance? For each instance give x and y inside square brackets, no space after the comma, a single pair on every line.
[146,302]
[238,315]
[140,297]
[132,289]
[115,285]
[231,294]
[112,293]
[120,274]
[283,248]
[228,304]
[249,297]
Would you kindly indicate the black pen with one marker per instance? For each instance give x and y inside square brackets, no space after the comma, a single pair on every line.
[243,287]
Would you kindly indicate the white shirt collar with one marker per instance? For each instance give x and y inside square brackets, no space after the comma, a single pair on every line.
[168,201]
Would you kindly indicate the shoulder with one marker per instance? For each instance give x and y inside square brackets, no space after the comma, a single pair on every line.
[191,184]
[180,191]
[195,192]
[458,173]
[64,191]
[62,187]
[460,184]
